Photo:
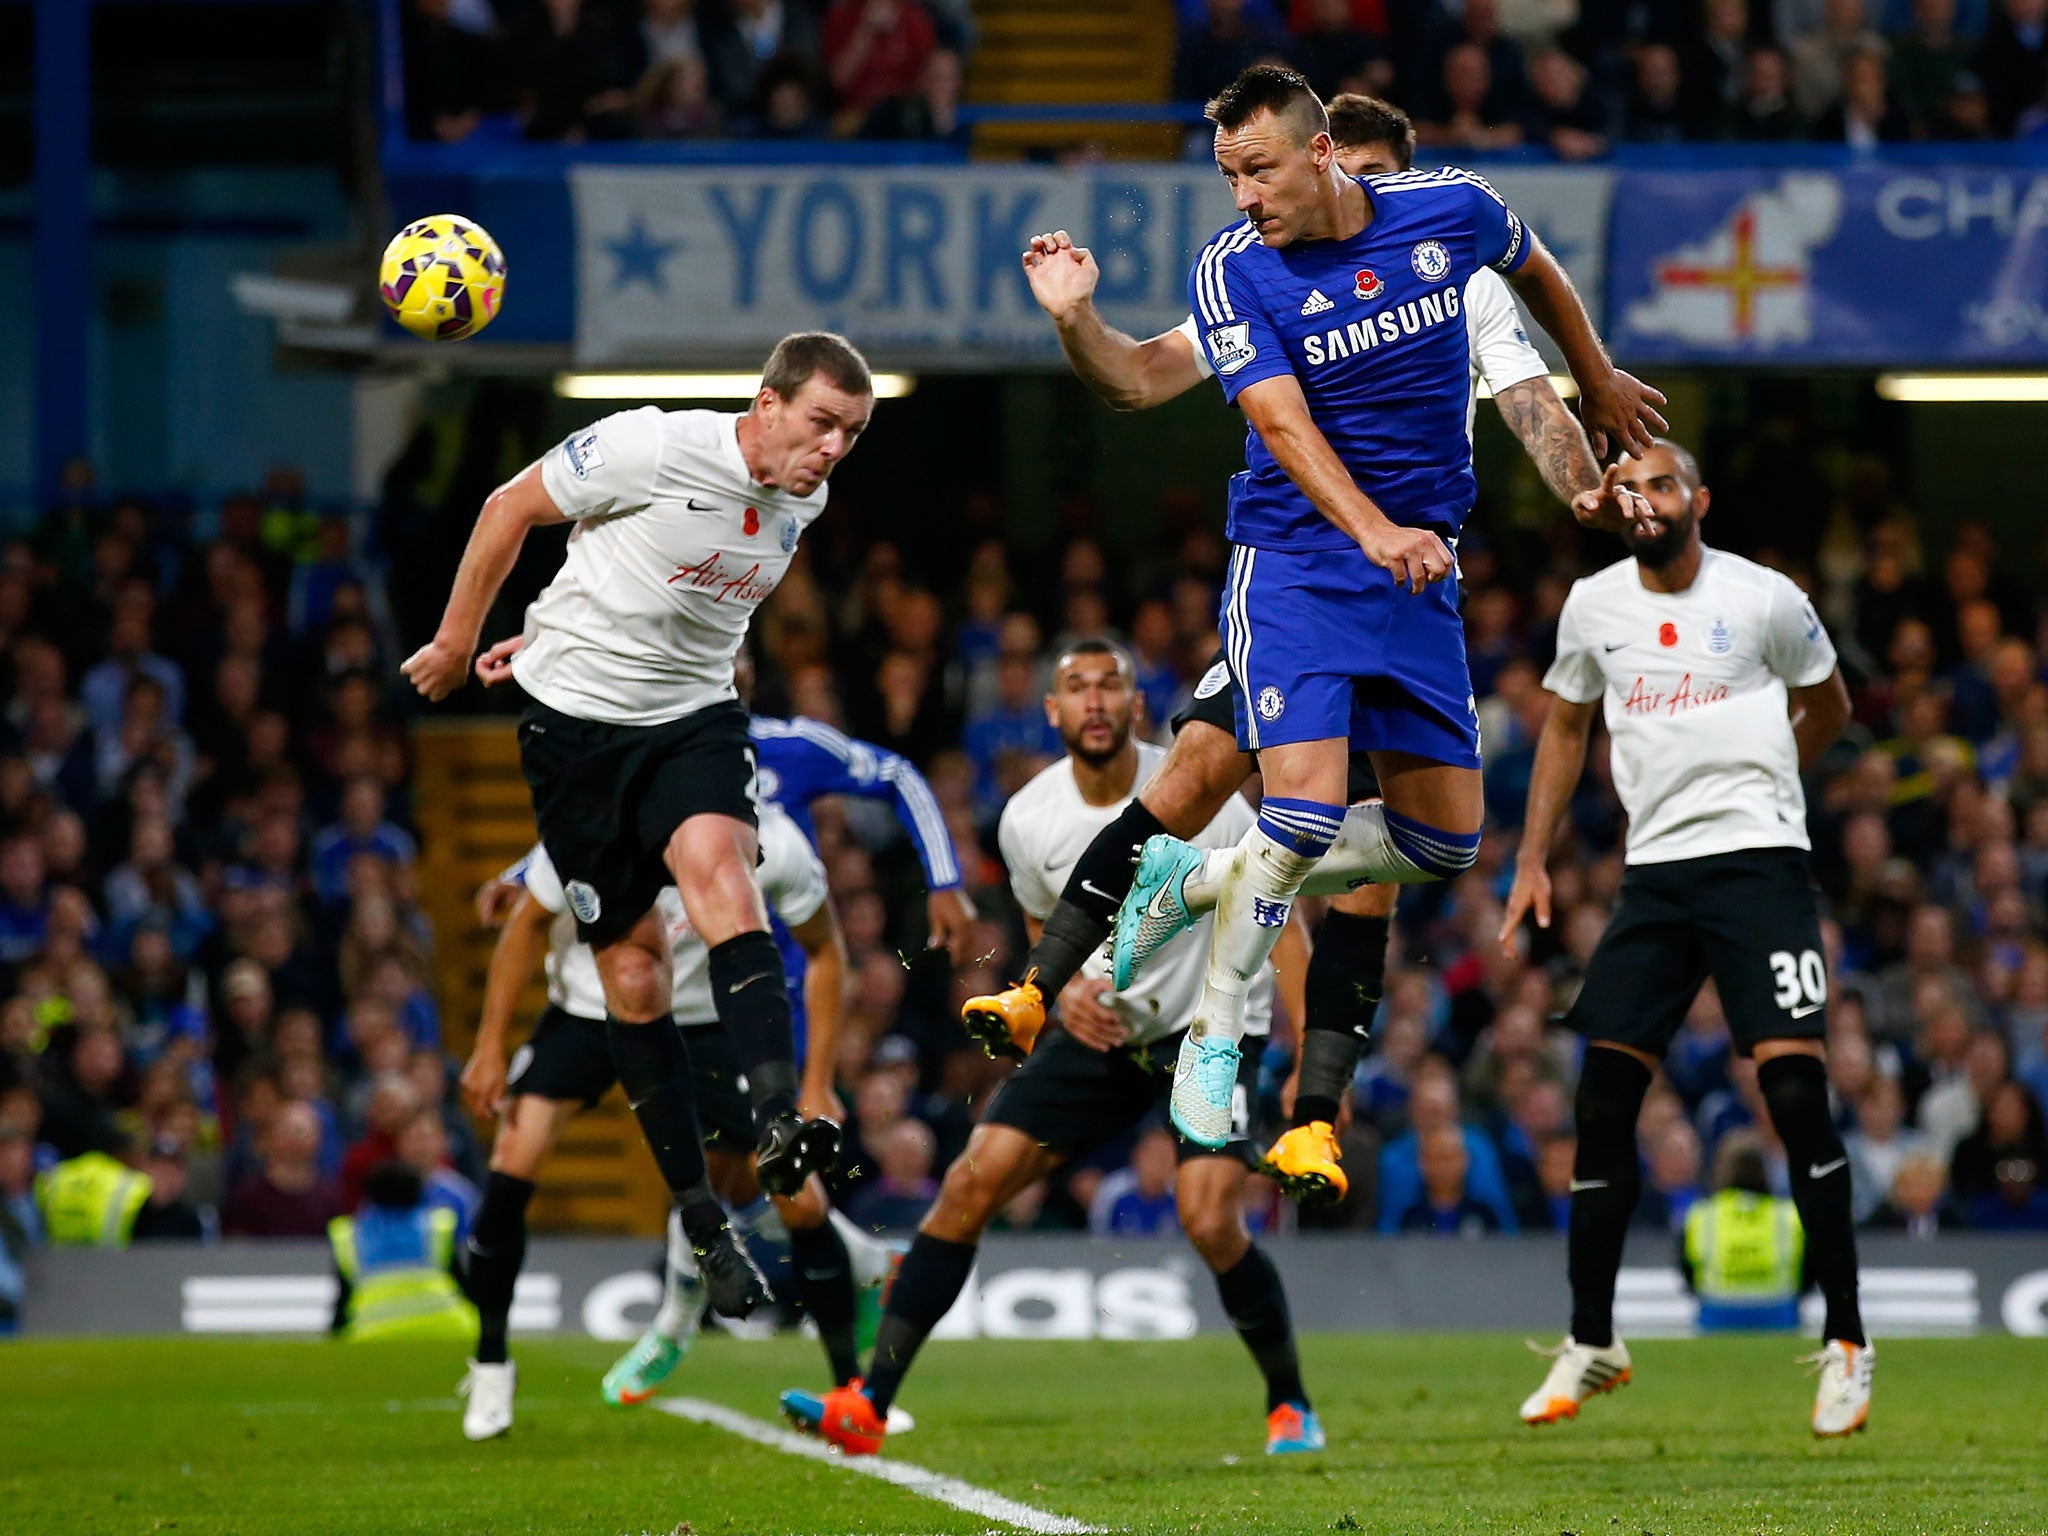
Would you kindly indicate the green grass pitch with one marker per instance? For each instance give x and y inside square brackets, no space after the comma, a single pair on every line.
[201,1436]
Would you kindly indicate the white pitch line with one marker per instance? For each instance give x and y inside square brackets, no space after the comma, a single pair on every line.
[918,1480]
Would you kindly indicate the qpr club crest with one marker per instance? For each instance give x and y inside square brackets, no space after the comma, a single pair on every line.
[1720,639]
[1271,703]
[791,532]
[1213,682]
[583,900]
[1366,284]
[1432,263]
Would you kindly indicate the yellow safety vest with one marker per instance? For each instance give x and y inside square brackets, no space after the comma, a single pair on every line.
[1746,1249]
[413,1297]
[91,1201]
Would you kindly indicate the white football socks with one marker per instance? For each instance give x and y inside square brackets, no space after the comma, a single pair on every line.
[1251,910]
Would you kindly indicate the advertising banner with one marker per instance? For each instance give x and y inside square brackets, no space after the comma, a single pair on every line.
[1878,266]
[920,264]
[1063,1288]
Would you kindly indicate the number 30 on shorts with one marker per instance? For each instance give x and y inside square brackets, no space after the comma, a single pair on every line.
[1800,976]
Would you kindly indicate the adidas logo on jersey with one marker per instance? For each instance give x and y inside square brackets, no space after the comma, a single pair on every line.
[1316,303]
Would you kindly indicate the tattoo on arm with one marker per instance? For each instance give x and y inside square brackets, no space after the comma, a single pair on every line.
[1551,434]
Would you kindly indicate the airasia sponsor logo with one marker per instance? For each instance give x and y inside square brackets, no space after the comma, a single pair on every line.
[1644,699]
[710,575]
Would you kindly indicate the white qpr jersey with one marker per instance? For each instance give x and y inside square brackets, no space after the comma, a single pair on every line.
[792,882]
[1695,688]
[1501,352]
[791,877]
[674,548]
[1046,828]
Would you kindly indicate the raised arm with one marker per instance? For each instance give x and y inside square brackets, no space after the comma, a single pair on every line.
[522,942]
[1560,759]
[1612,402]
[1130,375]
[441,666]
[1278,412]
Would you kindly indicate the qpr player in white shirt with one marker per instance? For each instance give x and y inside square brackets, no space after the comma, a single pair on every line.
[1205,767]
[1718,685]
[633,740]
[1098,1076]
[565,1065]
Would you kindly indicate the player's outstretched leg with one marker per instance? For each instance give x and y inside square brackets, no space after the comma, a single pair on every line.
[824,1282]
[1210,1194]
[1346,974]
[654,1069]
[1795,1089]
[496,1250]
[999,1161]
[1276,855]
[1373,847]
[637,1374]
[1606,1180]
[1202,771]
[751,994]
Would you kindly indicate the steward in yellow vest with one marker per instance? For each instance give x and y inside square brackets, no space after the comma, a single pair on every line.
[91,1201]
[396,1262]
[1744,1250]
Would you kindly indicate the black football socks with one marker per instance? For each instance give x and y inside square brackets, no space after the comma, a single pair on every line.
[653,1063]
[1080,922]
[1346,974]
[751,994]
[497,1249]
[1606,1179]
[824,1279]
[1795,1088]
[1257,1305]
[928,1282]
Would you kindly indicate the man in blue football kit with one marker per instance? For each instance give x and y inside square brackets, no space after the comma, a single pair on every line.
[1332,317]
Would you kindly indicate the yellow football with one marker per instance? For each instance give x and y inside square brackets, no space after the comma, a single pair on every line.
[443,277]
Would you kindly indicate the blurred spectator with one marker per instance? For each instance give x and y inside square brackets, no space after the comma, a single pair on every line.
[899,1198]
[1433,1106]
[875,51]
[1820,57]
[422,1145]
[1918,1204]
[1927,64]
[454,68]
[1331,49]
[1562,113]
[1879,1146]
[21,1223]
[1673,1185]
[1445,1206]
[755,34]
[104,692]
[1656,108]
[1473,113]
[1229,38]
[286,1196]
[168,1215]
[573,80]
[362,828]
[1715,67]
[931,112]
[1015,727]
[1137,1201]
[673,101]
[2012,61]
[1865,116]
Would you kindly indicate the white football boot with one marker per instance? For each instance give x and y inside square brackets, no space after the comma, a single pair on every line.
[1577,1372]
[1842,1406]
[489,1390]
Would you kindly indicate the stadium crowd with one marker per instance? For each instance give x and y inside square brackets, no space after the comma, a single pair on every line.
[1573,76]
[1578,76]
[578,70]
[215,977]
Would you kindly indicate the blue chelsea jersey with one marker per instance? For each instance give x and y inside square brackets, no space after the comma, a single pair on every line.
[1373,327]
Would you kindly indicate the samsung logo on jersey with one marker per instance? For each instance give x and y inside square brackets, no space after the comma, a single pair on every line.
[1388,325]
